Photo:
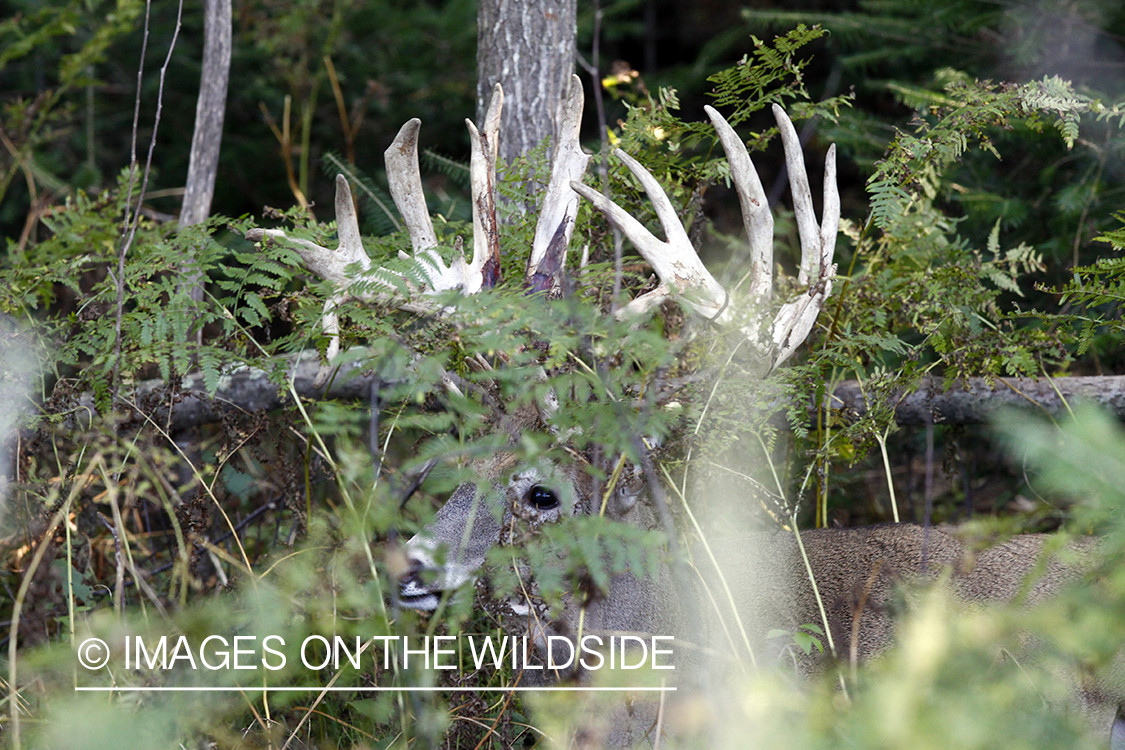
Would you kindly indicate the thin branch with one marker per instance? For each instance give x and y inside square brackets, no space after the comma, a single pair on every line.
[132,225]
[592,68]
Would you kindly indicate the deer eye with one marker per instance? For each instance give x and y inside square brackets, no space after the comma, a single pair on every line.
[542,498]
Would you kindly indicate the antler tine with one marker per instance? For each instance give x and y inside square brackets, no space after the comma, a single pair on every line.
[814,237]
[325,262]
[349,251]
[830,221]
[484,271]
[818,242]
[329,264]
[350,248]
[330,325]
[756,216]
[405,182]
[560,203]
[674,260]
[795,320]
[679,267]
[332,265]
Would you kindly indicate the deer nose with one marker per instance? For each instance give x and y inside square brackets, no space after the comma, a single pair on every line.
[413,593]
[412,577]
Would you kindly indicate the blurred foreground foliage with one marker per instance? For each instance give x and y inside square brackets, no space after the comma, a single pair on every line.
[283,523]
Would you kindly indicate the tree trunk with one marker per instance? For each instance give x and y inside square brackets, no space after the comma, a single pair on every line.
[209,112]
[528,46]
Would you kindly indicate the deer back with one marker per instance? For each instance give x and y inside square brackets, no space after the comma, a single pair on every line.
[864,577]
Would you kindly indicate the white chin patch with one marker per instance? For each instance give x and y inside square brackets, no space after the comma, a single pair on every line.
[416,595]
[413,595]
[426,602]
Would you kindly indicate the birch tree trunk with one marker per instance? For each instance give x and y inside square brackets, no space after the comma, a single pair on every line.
[528,46]
[209,113]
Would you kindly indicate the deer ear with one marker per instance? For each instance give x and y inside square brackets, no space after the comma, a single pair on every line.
[1117,733]
[624,500]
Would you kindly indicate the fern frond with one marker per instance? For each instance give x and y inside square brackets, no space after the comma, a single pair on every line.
[382,218]
[457,171]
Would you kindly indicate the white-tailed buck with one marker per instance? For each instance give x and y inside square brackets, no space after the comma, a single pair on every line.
[752,583]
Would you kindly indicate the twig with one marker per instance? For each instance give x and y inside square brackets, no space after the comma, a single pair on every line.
[131,225]
[119,585]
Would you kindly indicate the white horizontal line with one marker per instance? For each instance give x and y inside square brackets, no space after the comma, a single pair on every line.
[334,689]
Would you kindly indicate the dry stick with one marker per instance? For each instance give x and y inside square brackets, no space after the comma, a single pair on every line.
[334,719]
[141,583]
[119,586]
[36,202]
[70,590]
[347,124]
[91,164]
[929,494]
[603,133]
[207,137]
[263,723]
[131,227]
[1103,154]
[491,730]
[283,139]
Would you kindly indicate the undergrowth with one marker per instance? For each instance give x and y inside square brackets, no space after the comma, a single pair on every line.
[125,520]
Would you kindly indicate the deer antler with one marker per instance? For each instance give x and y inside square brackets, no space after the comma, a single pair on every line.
[331,265]
[560,203]
[350,269]
[484,271]
[405,182]
[675,261]
[679,268]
